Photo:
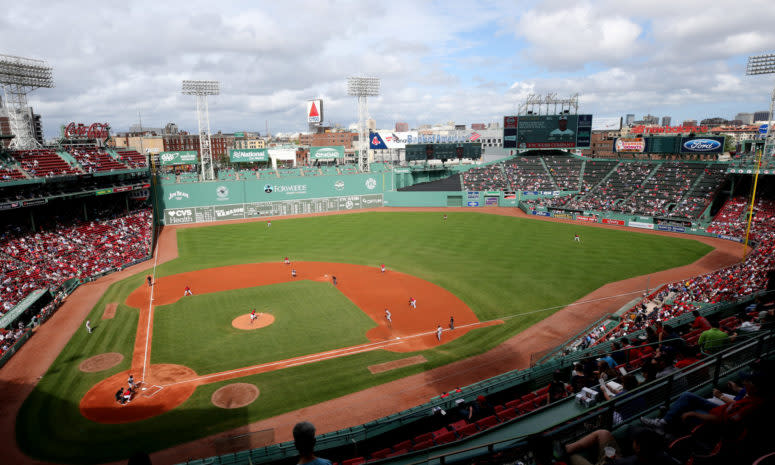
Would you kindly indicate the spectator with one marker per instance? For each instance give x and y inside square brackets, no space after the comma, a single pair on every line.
[700,322]
[713,339]
[647,446]
[557,388]
[304,440]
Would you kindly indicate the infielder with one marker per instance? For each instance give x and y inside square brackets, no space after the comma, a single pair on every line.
[287,261]
[389,318]
[382,267]
[438,332]
[451,323]
[187,291]
[253,316]
[293,272]
[413,302]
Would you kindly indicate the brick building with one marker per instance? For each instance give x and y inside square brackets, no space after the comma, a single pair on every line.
[329,138]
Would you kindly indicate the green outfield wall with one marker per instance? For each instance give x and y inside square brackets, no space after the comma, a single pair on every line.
[201,202]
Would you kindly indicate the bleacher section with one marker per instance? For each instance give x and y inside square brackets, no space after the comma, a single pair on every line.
[595,171]
[132,158]
[490,177]
[43,162]
[528,173]
[566,171]
[663,189]
[93,159]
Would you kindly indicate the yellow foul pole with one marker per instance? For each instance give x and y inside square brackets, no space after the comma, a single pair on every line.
[753,201]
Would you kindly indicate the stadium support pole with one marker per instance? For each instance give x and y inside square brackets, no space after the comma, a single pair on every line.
[753,200]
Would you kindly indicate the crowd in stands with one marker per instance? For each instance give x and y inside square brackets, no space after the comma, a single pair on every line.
[490,177]
[663,189]
[610,194]
[44,162]
[566,171]
[528,173]
[68,248]
[93,159]
[132,158]
[703,192]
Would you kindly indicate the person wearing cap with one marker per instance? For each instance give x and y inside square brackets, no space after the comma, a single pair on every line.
[562,128]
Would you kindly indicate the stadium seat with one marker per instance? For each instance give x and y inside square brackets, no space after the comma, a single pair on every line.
[543,400]
[446,438]
[403,445]
[487,422]
[397,453]
[508,414]
[440,432]
[542,391]
[423,445]
[355,461]
[499,408]
[457,425]
[516,402]
[527,397]
[526,407]
[382,453]
[423,437]
[468,430]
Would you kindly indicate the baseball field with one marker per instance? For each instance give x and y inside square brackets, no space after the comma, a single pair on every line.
[313,340]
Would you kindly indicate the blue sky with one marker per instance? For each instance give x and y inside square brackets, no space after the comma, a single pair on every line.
[466,62]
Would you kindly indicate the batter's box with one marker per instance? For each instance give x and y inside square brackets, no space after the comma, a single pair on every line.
[152,390]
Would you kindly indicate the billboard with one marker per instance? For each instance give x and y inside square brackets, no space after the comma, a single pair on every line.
[326,153]
[630,145]
[382,140]
[470,150]
[187,157]
[247,155]
[547,131]
[710,144]
[607,124]
[315,111]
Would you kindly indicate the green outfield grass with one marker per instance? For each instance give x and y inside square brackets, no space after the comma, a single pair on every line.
[197,331]
[499,266]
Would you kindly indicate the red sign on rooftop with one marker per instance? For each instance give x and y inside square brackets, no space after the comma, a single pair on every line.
[97,131]
[642,129]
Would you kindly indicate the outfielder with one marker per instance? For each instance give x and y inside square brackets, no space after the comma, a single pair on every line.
[382,267]
[88,326]
[576,238]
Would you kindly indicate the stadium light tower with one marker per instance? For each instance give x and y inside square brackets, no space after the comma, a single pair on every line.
[201,89]
[18,77]
[362,87]
[761,64]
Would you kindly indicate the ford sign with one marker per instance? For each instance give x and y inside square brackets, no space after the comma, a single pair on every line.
[702,145]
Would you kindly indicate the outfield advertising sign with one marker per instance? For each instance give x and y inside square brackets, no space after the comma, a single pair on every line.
[265,209]
[187,157]
[326,153]
[710,144]
[247,155]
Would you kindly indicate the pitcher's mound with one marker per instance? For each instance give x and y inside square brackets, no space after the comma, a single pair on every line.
[235,395]
[100,362]
[243,321]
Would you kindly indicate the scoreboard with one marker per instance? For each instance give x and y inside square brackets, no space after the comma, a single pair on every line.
[443,151]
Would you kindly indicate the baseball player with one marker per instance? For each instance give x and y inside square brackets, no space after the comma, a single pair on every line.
[389,318]
[412,302]
[445,217]
[131,381]
[253,316]
[88,326]
[382,267]
[438,332]
[287,261]
[150,281]
[333,279]
[451,323]
[269,224]
[187,291]
[293,272]
[576,238]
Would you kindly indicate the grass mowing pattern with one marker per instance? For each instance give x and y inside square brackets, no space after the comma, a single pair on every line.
[310,317]
[499,266]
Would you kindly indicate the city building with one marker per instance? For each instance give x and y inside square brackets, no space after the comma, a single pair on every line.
[402,126]
[666,120]
[690,123]
[478,126]
[745,118]
[629,119]
[761,116]
[371,124]
[650,120]
[344,138]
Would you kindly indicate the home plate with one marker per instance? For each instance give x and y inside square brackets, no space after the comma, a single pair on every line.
[145,389]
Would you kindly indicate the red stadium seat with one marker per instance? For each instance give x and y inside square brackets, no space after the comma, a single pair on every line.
[446,438]
[487,422]
[468,430]
[355,461]
[423,445]
[423,437]
[508,414]
[382,453]
[525,407]
[403,445]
